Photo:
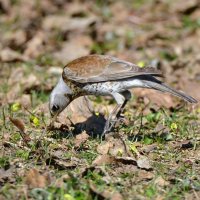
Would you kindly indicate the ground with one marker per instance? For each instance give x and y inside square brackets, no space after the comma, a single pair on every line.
[153,153]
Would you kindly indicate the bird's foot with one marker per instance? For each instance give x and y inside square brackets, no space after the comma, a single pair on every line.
[110,124]
[121,120]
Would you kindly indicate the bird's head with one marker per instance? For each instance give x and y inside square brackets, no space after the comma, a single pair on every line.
[60,98]
[58,102]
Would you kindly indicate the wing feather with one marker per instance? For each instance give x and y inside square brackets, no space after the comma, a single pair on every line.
[104,68]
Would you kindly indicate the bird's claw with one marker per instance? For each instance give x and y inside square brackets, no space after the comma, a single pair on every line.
[110,124]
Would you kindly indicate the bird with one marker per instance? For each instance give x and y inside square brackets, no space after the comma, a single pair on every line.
[104,75]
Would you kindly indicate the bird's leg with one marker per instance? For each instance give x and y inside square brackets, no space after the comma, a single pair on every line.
[121,99]
[127,96]
[110,122]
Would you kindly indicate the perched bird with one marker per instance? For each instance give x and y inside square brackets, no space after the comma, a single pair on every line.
[105,75]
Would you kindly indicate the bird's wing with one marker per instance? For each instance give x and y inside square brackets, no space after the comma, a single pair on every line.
[99,68]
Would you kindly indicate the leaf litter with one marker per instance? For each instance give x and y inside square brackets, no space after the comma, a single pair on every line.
[153,155]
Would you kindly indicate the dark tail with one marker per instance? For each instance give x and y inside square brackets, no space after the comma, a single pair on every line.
[151,82]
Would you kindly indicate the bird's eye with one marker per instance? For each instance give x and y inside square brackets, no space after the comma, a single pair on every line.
[55,108]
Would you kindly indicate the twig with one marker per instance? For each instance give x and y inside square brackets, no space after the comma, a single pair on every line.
[4,118]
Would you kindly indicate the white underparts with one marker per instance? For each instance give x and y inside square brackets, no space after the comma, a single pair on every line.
[111,87]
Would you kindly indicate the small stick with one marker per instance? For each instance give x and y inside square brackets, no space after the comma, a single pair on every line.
[4,118]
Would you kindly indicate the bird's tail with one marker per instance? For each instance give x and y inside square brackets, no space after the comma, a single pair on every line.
[153,83]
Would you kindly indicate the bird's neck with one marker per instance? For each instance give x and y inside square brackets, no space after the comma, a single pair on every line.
[62,87]
[74,88]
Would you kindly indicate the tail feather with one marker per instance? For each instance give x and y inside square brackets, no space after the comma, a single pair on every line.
[158,85]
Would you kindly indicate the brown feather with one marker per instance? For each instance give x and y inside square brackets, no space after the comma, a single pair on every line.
[99,68]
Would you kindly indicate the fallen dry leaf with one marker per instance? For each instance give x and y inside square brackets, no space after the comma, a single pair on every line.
[105,194]
[78,111]
[144,163]
[35,46]
[149,148]
[16,38]
[116,196]
[13,94]
[126,160]
[6,176]
[191,87]
[25,100]
[20,125]
[15,76]
[36,180]
[30,82]
[76,47]
[60,182]
[119,148]
[104,148]
[159,98]
[5,5]
[103,160]
[61,164]
[145,175]
[185,144]
[80,139]
[9,55]
[64,23]
[186,8]
[161,182]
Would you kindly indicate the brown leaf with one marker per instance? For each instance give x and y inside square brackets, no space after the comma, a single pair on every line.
[30,82]
[149,148]
[185,144]
[60,182]
[104,148]
[116,196]
[161,182]
[76,47]
[61,164]
[5,5]
[145,175]
[13,93]
[186,8]
[119,148]
[191,87]
[9,55]
[35,46]
[35,180]
[64,23]
[18,123]
[78,111]
[105,194]
[103,160]
[126,160]
[15,76]
[16,39]
[144,163]
[25,100]
[159,98]
[80,139]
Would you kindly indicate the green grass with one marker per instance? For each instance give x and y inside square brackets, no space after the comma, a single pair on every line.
[172,150]
[172,163]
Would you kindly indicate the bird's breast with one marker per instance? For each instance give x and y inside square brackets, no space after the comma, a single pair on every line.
[103,88]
